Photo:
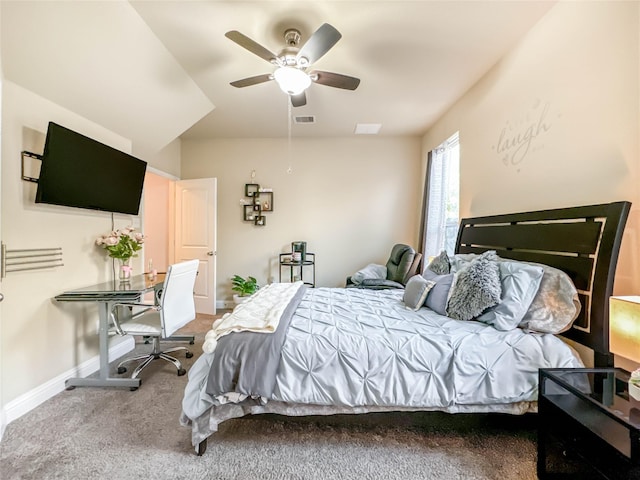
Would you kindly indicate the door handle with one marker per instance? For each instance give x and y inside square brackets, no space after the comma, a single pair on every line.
[210,254]
[1,297]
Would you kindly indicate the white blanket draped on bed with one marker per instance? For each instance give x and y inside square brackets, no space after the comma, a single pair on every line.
[261,313]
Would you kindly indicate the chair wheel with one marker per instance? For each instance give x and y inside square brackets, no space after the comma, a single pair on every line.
[191,342]
[188,354]
[121,370]
[181,371]
[133,389]
[71,387]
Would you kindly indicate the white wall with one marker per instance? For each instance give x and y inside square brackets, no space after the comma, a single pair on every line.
[41,338]
[350,199]
[572,87]
[556,122]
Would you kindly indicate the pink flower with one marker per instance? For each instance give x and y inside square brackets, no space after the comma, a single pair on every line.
[110,241]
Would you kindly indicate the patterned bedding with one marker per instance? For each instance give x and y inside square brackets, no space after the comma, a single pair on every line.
[364,349]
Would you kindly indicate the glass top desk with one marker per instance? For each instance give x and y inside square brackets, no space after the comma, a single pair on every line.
[106,295]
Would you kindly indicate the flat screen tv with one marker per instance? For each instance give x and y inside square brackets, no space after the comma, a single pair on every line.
[78,171]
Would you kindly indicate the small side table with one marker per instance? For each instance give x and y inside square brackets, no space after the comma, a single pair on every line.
[588,427]
[297,269]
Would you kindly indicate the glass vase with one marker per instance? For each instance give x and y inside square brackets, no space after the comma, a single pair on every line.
[124,270]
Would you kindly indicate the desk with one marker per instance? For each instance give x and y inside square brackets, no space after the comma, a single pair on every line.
[107,294]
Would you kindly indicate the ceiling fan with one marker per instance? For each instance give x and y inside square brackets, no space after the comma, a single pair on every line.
[294,60]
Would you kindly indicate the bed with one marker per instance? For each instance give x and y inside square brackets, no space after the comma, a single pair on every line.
[327,351]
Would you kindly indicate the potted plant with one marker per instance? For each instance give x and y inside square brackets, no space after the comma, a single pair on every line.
[244,286]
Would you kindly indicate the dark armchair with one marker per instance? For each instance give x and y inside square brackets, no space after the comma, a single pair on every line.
[401,266]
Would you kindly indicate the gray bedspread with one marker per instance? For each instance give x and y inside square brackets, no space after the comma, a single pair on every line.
[246,362]
[354,347]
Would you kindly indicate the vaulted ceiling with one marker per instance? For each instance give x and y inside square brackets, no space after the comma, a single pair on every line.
[157,70]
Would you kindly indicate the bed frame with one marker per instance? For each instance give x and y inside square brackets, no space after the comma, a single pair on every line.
[582,241]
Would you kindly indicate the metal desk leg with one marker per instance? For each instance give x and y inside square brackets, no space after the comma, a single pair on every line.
[104,380]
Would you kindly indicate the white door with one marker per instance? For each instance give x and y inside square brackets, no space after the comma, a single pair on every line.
[2,411]
[196,236]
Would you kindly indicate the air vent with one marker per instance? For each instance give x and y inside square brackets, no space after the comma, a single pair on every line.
[305,119]
[367,128]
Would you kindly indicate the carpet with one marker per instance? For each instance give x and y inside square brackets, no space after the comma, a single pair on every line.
[100,433]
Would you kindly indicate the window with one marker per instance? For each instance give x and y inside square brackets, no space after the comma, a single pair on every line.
[442,198]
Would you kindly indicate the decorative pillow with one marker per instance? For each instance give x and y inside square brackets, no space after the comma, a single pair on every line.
[440,264]
[461,260]
[475,288]
[555,306]
[439,293]
[520,283]
[416,291]
[375,271]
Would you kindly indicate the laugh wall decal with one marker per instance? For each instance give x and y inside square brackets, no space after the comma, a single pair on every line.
[522,136]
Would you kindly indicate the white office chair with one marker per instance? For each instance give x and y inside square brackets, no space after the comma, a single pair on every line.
[175,309]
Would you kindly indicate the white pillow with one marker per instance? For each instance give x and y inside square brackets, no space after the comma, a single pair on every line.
[555,306]
[520,283]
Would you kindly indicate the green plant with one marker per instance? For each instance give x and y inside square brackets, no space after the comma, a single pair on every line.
[244,287]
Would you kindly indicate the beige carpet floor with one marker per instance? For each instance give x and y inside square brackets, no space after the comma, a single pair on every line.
[99,433]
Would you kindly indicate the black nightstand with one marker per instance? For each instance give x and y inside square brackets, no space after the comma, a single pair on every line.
[297,268]
[588,426]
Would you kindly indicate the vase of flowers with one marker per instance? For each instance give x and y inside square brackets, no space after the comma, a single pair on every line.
[122,245]
[124,272]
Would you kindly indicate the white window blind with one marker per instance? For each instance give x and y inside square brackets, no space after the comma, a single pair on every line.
[443,200]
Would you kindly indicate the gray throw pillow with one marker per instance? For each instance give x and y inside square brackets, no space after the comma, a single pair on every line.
[440,264]
[476,287]
[372,270]
[520,283]
[416,291]
[438,295]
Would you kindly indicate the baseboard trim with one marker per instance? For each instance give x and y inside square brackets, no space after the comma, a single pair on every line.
[30,400]
[224,304]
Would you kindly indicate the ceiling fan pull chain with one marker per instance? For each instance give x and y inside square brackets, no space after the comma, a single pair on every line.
[289,113]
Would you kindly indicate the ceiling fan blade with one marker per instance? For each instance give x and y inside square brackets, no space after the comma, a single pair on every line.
[246,82]
[336,80]
[251,45]
[299,100]
[319,43]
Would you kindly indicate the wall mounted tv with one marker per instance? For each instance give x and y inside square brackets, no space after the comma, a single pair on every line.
[78,171]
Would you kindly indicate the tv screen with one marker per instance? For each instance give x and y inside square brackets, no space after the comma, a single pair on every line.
[78,171]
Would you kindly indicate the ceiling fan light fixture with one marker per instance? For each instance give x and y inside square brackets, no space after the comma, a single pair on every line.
[292,80]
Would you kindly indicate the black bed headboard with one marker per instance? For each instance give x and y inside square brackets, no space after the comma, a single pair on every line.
[582,241]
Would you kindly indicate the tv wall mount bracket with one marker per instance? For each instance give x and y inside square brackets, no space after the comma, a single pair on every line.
[31,163]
